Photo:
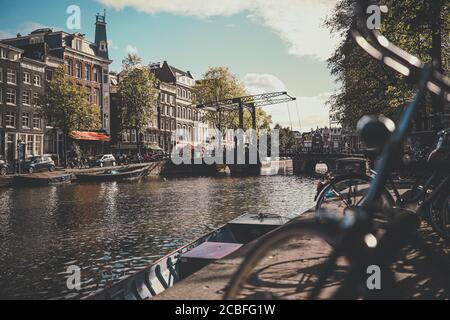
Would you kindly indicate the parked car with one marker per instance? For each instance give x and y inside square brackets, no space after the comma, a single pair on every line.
[36,164]
[106,160]
[4,168]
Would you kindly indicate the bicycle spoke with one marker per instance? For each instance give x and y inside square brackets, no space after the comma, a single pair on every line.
[340,195]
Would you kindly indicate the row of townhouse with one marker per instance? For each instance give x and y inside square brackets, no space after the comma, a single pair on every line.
[27,64]
[333,139]
[173,112]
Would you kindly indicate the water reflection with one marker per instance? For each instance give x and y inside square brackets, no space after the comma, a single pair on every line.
[112,230]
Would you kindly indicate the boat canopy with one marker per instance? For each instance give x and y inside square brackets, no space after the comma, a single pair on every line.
[90,136]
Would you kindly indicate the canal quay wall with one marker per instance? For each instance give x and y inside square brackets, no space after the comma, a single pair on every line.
[157,169]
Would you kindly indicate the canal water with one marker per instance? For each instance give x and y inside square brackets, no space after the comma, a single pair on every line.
[112,230]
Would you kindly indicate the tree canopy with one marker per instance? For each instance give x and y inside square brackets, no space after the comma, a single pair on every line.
[420,27]
[219,83]
[68,105]
[137,98]
[287,138]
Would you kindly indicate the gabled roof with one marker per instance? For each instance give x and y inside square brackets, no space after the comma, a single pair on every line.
[183,73]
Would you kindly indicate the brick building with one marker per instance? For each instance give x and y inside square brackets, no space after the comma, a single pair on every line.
[87,62]
[22,82]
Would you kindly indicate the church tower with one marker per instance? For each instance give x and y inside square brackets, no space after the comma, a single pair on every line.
[101,39]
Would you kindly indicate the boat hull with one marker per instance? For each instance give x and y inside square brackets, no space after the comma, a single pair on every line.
[174,267]
[132,175]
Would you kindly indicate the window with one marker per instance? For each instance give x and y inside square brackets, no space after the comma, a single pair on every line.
[25,120]
[89,92]
[105,120]
[10,119]
[49,75]
[78,71]
[88,72]
[124,136]
[1,95]
[69,65]
[105,77]
[11,77]
[27,78]
[78,44]
[36,40]
[96,96]
[36,99]
[1,74]
[37,80]
[11,97]
[26,97]
[36,121]
[38,145]
[2,53]
[30,144]
[96,78]
[178,112]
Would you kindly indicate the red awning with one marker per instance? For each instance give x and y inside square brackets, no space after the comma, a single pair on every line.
[90,136]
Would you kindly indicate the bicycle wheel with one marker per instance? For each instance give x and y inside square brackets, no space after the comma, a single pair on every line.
[445,217]
[273,269]
[348,192]
[433,214]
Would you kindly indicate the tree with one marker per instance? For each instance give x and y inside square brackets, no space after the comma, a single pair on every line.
[218,84]
[68,107]
[137,99]
[287,138]
[131,61]
[420,27]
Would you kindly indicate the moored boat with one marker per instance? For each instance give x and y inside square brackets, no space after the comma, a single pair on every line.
[123,174]
[180,264]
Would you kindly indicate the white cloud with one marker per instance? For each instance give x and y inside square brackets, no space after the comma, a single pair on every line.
[297,22]
[262,83]
[131,49]
[303,114]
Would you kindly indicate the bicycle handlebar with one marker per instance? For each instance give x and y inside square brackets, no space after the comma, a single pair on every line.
[379,47]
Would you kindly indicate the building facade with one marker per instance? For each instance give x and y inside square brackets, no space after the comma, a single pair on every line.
[187,118]
[22,83]
[85,61]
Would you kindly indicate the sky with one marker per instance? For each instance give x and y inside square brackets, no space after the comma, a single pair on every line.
[271,45]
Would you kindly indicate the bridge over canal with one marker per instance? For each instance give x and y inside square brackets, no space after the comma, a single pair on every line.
[306,162]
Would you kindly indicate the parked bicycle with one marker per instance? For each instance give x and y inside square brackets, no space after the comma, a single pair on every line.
[432,179]
[355,243]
